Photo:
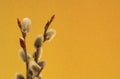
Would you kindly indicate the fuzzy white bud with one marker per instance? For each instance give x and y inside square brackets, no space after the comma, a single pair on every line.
[42,64]
[38,54]
[50,34]
[38,41]
[34,67]
[37,77]
[19,76]
[26,25]
[22,55]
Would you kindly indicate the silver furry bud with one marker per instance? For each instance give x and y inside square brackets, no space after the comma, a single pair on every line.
[26,25]
[19,76]
[34,67]
[42,64]
[22,55]
[37,77]
[38,41]
[50,34]
[38,53]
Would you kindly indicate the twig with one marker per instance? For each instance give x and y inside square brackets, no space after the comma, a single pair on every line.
[25,50]
[47,26]
[29,73]
[37,54]
[27,63]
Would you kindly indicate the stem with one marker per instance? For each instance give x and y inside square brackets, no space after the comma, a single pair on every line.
[26,63]
[47,26]
[23,35]
[39,71]
[37,54]
[25,50]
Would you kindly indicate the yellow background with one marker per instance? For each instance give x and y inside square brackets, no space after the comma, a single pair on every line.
[87,44]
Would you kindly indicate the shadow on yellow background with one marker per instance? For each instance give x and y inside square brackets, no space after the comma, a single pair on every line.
[87,44]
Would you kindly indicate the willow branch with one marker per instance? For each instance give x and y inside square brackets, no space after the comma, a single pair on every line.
[47,26]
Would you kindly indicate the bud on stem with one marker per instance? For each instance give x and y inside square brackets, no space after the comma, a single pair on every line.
[22,43]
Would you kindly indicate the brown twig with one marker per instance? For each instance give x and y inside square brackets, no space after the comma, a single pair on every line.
[37,54]
[47,26]
[24,48]
[27,63]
